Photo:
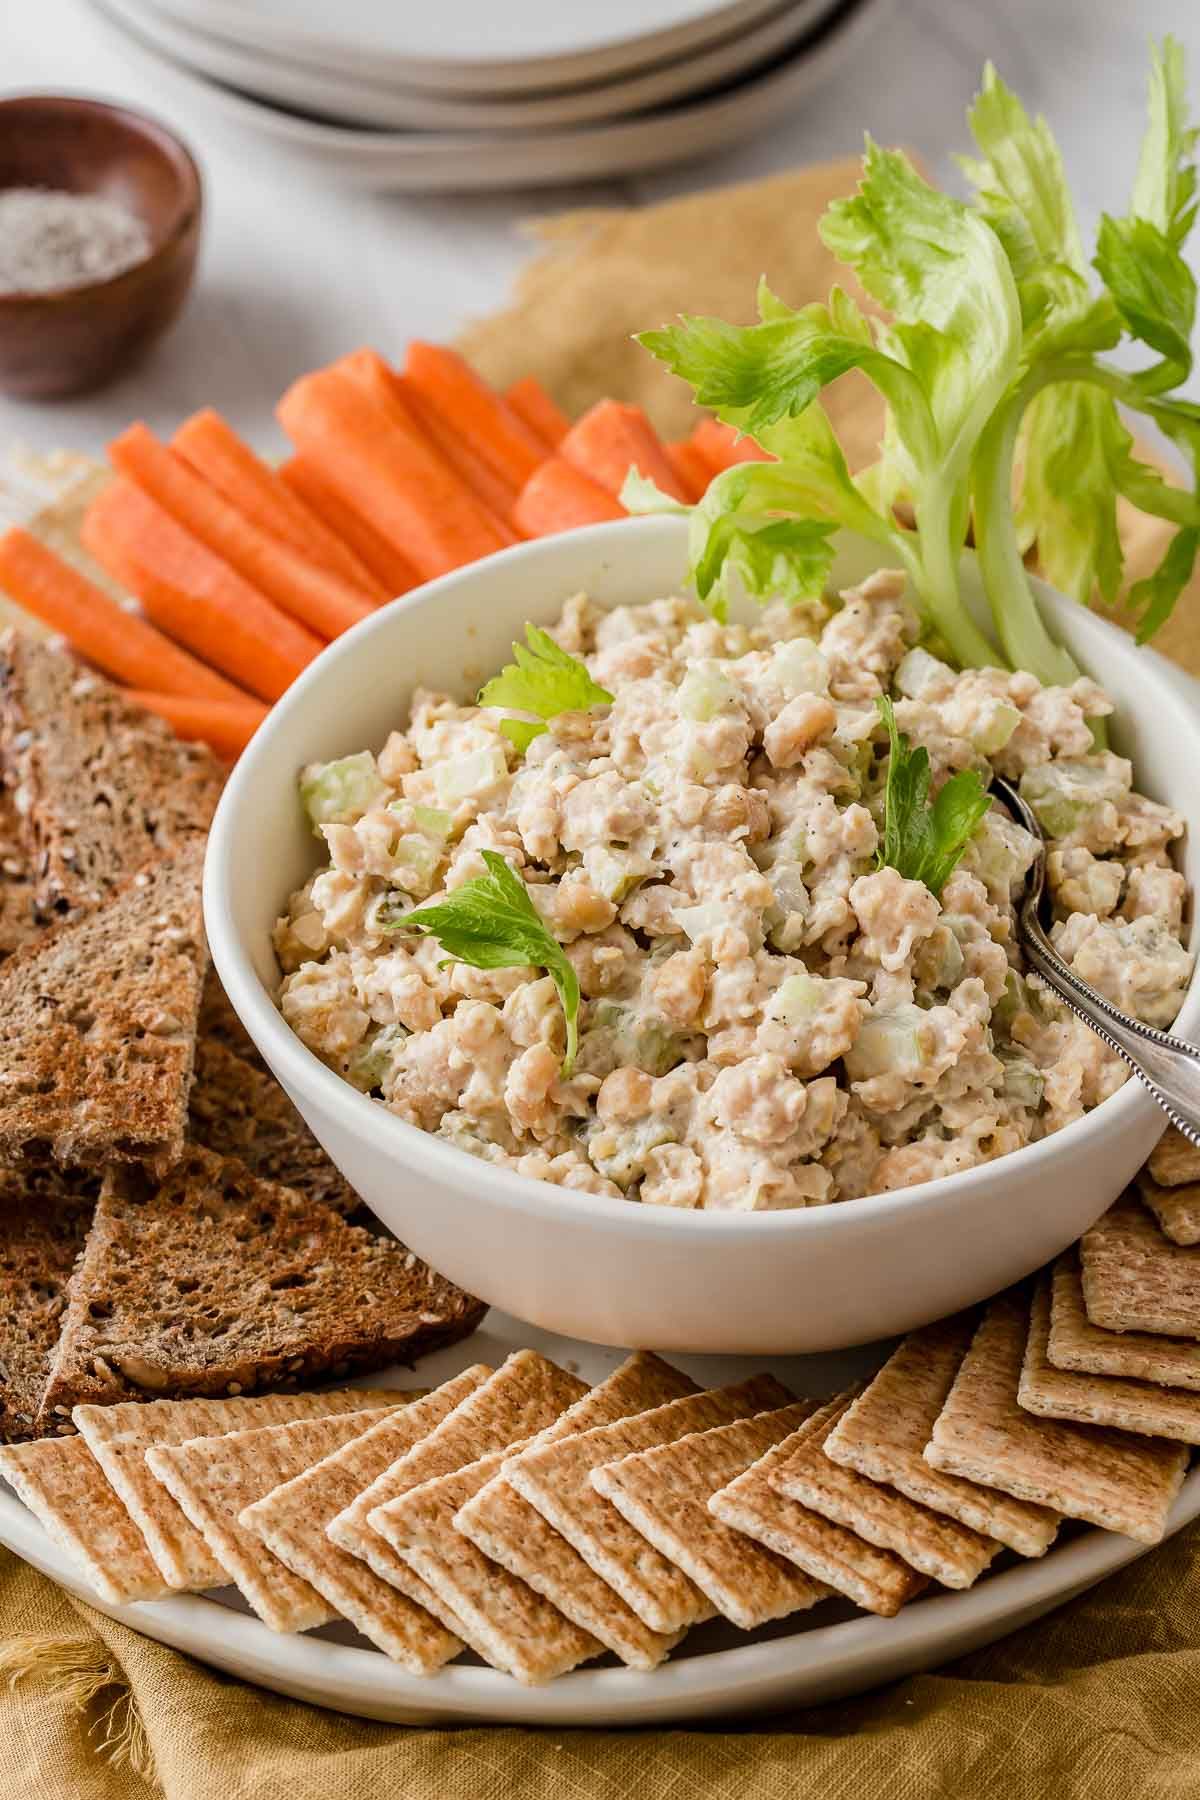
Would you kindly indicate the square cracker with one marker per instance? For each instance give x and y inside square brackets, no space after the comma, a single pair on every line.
[887,1428]
[1139,1406]
[119,1437]
[664,1494]
[1110,1478]
[514,1628]
[1174,1162]
[1075,1343]
[292,1519]
[214,1478]
[64,1487]
[506,1528]
[874,1579]
[928,1541]
[526,1393]
[1177,1208]
[1135,1279]
[556,1479]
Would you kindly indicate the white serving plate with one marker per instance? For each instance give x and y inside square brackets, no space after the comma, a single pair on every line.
[464,162]
[371,102]
[474,46]
[826,1654]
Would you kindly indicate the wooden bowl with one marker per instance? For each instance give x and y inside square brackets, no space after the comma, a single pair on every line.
[71,339]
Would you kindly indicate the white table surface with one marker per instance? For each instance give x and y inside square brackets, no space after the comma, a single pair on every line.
[295,272]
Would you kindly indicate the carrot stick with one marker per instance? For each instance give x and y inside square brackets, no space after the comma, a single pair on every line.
[318,599]
[532,404]
[497,494]
[410,409]
[394,572]
[557,497]
[120,643]
[691,470]
[388,471]
[215,451]
[494,431]
[610,440]
[193,596]
[721,447]
[226,726]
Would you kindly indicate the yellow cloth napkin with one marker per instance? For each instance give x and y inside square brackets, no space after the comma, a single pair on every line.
[1100,1701]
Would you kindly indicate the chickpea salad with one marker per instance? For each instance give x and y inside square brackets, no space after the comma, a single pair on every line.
[713,915]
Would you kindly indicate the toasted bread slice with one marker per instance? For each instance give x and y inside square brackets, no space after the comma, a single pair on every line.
[239,1110]
[219,1024]
[211,1282]
[44,1216]
[17,923]
[102,786]
[100,1024]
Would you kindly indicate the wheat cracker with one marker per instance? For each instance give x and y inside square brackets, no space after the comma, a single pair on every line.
[664,1494]
[1143,1407]
[556,1479]
[877,1580]
[1135,1279]
[1110,1478]
[1075,1343]
[1174,1160]
[524,1395]
[514,1628]
[292,1522]
[510,1531]
[119,1437]
[64,1487]
[1176,1208]
[884,1433]
[928,1541]
[214,1478]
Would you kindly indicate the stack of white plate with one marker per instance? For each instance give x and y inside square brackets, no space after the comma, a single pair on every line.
[471,94]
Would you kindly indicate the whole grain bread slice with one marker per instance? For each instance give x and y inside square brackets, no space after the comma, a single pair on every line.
[44,1217]
[209,1282]
[101,786]
[238,1110]
[219,1024]
[100,1024]
[17,923]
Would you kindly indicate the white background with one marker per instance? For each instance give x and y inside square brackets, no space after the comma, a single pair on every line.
[294,272]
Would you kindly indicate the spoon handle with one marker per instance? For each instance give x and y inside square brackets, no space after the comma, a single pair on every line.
[1169,1067]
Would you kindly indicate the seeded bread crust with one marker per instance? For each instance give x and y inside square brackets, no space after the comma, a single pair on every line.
[100,786]
[17,923]
[238,1110]
[44,1218]
[212,1282]
[100,1025]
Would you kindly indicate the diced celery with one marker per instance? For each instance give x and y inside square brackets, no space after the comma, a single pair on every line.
[1000,854]
[705,691]
[615,873]
[1063,794]
[372,1059]
[799,667]
[631,1039]
[939,962]
[785,920]
[414,865]
[917,671]
[796,999]
[699,922]
[996,727]
[433,822]
[1014,1000]
[620,1151]
[340,792]
[461,778]
[1023,1082]
[889,1043]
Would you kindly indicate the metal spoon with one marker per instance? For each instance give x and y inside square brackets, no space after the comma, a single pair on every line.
[1169,1067]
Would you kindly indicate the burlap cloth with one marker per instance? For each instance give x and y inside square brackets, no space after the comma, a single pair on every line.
[1101,1701]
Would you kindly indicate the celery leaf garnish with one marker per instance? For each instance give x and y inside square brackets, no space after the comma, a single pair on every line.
[491,923]
[543,679]
[925,841]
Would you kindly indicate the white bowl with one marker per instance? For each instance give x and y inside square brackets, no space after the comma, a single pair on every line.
[612,1271]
